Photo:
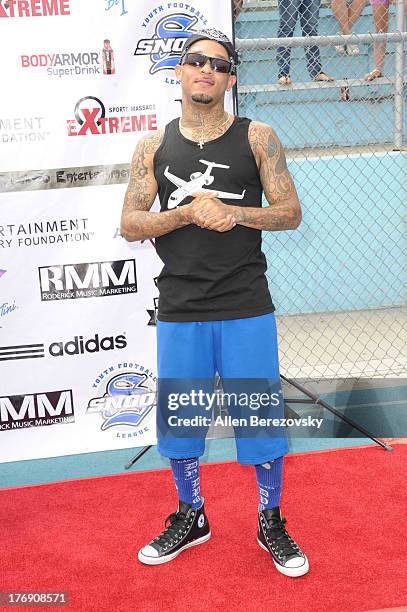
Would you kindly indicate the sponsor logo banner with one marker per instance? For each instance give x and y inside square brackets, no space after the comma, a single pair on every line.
[125,396]
[152,313]
[66,102]
[79,345]
[6,308]
[120,5]
[23,130]
[34,8]
[36,409]
[167,28]
[70,64]
[21,351]
[85,280]
[91,118]
[50,232]
[60,178]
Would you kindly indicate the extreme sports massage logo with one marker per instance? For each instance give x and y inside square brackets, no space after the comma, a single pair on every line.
[168,27]
[34,8]
[125,396]
[91,118]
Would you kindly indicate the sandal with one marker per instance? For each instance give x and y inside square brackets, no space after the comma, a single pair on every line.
[374,74]
[284,80]
[340,49]
[323,77]
[352,49]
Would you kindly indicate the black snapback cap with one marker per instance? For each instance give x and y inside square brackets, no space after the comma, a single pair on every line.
[217,36]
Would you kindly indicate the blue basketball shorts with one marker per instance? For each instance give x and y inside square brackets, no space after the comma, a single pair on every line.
[239,350]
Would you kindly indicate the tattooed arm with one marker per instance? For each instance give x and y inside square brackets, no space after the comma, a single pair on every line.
[284,210]
[137,222]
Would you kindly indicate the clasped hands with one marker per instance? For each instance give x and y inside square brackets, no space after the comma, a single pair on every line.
[208,212]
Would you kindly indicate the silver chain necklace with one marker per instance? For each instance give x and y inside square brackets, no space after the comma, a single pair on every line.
[201,140]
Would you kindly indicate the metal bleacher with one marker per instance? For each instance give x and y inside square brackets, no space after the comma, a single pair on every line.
[344,123]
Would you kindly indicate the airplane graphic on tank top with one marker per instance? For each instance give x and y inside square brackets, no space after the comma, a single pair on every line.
[198,182]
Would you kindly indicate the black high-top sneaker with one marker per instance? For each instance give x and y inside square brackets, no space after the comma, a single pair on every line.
[185,528]
[288,557]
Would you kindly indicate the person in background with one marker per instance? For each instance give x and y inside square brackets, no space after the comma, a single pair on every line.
[380,9]
[347,15]
[237,7]
[308,12]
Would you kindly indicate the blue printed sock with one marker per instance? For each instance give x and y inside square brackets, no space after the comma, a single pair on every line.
[269,480]
[186,476]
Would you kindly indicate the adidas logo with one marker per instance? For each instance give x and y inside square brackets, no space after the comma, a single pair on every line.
[79,346]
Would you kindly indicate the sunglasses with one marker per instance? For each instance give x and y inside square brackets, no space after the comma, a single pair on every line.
[217,63]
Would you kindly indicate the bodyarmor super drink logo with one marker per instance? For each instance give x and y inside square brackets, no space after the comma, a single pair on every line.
[74,63]
[168,34]
[91,119]
[34,8]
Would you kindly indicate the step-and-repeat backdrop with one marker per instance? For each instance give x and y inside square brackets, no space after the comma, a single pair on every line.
[81,83]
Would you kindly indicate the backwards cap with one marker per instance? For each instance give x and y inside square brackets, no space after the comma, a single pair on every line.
[217,36]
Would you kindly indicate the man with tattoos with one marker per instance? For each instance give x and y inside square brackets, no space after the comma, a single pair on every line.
[215,312]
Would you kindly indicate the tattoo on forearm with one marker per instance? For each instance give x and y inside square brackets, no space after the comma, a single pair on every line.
[277,217]
[145,225]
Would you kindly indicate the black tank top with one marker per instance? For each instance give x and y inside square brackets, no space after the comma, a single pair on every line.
[209,275]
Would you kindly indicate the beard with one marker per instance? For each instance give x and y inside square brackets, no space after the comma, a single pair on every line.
[202,98]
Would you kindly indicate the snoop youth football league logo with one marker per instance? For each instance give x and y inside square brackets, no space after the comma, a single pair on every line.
[168,36]
[124,399]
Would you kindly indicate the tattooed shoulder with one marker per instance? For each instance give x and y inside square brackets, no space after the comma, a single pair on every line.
[142,187]
[263,141]
[153,141]
[146,147]
[276,180]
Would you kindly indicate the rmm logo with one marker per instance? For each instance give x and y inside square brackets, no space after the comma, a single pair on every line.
[83,280]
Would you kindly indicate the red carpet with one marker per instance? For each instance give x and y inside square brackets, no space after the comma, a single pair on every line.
[347,508]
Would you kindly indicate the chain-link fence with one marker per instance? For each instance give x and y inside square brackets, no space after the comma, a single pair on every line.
[339,281]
